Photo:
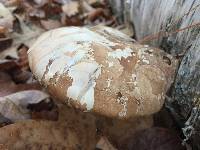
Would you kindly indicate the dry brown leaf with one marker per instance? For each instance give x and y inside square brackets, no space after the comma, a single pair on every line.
[46,110]
[128,30]
[86,7]
[5,43]
[117,130]
[14,111]
[50,24]
[17,69]
[71,21]
[153,139]
[29,33]
[4,121]
[104,144]
[23,57]
[11,2]
[61,1]
[71,8]
[73,130]
[8,86]
[38,13]
[3,31]
[14,106]
[45,114]
[6,18]
[52,10]
[19,74]
[7,64]
[41,3]
[21,77]
[99,12]
[91,2]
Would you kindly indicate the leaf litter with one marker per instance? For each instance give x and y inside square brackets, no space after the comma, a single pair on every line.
[29,117]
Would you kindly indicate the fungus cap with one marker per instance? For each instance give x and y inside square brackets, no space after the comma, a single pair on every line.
[102,70]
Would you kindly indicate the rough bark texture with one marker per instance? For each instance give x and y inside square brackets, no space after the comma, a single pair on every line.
[152,16]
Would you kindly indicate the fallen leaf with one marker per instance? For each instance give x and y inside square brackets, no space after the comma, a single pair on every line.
[71,8]
[93,15]
[20,77]
[3,31]
[73,130]
[23,57]
[11,2]
[13,79]
[42,105]
[46,110]
[5,43]
[50,24]
[104,144]
[45,114]
[41,3]
[17,76]
[6,18]
[86,7]
[117,130]
[91,2]
[4,121]
[71,21]
[128,30]
[38,13]
[153,139]
[7,64]
[29,34]
[61,1]
[8,86]
[52,10]
[28,86]
[14,106]
[17,68]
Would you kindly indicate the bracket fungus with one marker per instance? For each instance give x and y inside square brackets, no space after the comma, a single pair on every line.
[102,70]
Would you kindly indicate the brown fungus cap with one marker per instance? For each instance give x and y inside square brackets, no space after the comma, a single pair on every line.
[100,69]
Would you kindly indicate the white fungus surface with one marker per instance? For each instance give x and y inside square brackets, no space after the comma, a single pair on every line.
[90,66]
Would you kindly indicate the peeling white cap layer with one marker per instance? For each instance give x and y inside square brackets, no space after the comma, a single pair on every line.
[100,69]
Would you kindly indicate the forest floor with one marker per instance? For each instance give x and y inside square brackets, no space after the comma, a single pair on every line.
[30,118]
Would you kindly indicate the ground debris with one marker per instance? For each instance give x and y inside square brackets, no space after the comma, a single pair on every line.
[153,138]
[66,133]
[29,117]
[104,144]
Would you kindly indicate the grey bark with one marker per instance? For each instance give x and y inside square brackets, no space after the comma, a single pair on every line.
[152,16]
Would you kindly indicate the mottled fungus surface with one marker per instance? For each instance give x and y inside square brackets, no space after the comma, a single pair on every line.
[100,69]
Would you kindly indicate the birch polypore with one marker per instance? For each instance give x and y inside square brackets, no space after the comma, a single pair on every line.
[100,69]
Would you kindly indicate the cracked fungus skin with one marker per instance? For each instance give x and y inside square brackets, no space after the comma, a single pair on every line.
[100,69]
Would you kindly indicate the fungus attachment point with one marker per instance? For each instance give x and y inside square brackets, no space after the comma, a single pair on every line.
[100,69]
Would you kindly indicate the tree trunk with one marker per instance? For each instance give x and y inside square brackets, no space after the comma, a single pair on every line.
[151,16]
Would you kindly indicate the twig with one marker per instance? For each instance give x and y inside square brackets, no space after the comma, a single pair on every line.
[166,34]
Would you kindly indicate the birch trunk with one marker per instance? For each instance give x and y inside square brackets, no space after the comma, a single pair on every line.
[152,16]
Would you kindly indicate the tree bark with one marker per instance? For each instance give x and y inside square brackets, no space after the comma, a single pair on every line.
[152,16]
